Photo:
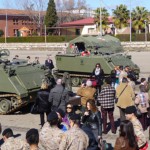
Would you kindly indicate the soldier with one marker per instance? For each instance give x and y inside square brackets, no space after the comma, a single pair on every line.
[32,138]
[11,143]
[75,138]
[51,135]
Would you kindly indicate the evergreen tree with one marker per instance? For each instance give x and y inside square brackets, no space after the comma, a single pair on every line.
[51,15]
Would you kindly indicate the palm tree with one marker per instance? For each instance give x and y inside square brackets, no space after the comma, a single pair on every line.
[104,19]
[121,16]
[139,16]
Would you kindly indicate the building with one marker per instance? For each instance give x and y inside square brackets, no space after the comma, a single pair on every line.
[83,27]
[17,23]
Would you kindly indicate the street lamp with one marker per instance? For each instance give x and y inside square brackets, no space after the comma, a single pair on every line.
[145,31]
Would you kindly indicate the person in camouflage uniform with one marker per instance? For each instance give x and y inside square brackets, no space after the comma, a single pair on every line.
[11,143]
[51,135]
[0,128]
[75,138]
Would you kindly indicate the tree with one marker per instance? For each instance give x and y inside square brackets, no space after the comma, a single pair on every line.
[121,16]
[105,16]
[70,10]
[51,15]
[35,11]
[139,16]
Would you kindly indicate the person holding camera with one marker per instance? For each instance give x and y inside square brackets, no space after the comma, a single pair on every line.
[86,91]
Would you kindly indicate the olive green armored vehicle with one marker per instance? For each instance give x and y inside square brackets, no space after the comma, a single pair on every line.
[19,83]
[106,50]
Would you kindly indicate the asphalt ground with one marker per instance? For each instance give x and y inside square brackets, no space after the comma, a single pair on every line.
[21,123]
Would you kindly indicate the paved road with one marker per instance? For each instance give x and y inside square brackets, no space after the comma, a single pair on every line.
[20,123]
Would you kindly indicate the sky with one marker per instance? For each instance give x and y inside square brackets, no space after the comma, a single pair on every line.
[108,4]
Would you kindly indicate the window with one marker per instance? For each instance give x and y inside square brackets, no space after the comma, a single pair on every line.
[91,30]
[77,31]
[22,22]
[15,21]
[16,32]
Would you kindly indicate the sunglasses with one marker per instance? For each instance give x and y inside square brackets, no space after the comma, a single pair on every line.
[69,107]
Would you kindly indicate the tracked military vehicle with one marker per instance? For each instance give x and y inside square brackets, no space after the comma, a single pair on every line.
[106,50]
[19,83]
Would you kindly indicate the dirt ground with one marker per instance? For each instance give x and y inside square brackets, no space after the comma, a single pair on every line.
[20,123]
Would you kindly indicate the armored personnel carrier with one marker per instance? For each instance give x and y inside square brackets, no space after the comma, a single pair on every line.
[106,50]
[19,83]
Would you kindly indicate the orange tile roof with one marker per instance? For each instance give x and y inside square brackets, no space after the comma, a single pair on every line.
[17,12]
[24,29]
[87,21]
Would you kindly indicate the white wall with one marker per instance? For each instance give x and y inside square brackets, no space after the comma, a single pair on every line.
[89,29]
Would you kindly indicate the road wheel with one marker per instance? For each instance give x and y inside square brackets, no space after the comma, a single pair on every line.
[5,105]
[75,81]
[14,102]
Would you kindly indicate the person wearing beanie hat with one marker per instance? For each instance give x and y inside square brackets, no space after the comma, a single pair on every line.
[51,135]
[75,138]
[130,113]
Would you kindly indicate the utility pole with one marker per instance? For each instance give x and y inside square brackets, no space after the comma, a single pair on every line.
[130,24]
[145,32]
[100,18]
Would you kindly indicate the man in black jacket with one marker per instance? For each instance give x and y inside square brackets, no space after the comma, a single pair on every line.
[49,63]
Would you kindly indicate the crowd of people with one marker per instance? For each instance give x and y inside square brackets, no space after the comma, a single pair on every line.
[81,126]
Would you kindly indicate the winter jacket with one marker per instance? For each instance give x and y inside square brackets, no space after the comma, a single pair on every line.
[93,121]
[58,97]
[123,144]
[42,101]
[127,97]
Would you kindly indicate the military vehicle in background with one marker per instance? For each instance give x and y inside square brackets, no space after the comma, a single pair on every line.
[106,50]
[19,83]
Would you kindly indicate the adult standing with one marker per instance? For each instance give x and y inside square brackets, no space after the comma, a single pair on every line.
[142,102]
[98,73]
[75,138]
[58,96]
[125,95]
[86,92]
[122,74]
[106,99]
[92,119]
[49,62]
[42,102]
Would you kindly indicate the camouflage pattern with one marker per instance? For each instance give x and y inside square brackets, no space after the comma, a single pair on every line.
[50,137]
[14,144]
[74,139]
